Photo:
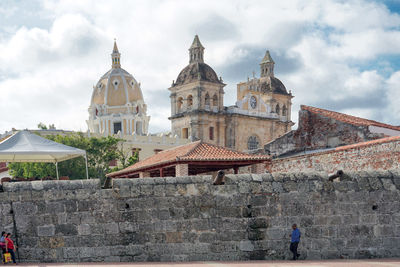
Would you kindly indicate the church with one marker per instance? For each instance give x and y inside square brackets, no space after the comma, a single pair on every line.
[262,111]
[117,103]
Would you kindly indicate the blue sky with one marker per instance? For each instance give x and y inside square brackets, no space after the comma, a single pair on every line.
[339,55]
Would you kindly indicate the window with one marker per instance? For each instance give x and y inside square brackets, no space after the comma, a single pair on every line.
[253,143]
[284,110]
[277,109]
[117,127]
[215,100]
[190,100]
[157,150]
[180,103]
[211,133]
[185,133]
[207,100]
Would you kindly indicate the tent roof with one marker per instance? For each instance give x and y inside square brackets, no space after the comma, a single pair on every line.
[25,146]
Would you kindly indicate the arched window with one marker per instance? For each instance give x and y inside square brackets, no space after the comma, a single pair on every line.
[207,100]
[179,103]
[277,109]
[189,100]
[252,143]
[215,100]
[284,110]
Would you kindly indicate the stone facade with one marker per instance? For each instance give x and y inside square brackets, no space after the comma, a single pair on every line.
[189,219]
[321,129]
[261,113]
[381,154]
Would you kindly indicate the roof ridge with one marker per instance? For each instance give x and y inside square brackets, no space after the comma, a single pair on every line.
[199,142]
[372,122]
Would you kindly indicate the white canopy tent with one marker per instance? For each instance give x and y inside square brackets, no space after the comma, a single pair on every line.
[25,146]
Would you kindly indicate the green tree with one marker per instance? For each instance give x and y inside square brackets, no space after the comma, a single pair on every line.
[100,151]
[42,126]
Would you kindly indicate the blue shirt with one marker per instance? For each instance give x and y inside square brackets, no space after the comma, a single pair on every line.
[296,235]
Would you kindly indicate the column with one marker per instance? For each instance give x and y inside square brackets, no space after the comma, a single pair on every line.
[181,170]
[144,174]
[260,168]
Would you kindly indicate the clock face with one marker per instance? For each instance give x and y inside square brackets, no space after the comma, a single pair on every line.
[253,102]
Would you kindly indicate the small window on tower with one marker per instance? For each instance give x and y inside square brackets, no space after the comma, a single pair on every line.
[190,101]
[185,133]
[215,100]
[211,133]
[207,99]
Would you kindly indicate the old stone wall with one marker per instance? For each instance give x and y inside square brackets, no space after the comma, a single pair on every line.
[189,219]
[316,132]
[382,154]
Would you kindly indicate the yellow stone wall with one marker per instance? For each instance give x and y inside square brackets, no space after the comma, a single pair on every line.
[265,129]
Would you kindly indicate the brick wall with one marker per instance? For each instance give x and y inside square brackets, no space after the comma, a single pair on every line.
[189,219]
[316,131]
[381,154]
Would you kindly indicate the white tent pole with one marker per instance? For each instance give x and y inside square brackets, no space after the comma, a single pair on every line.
[57,170]
[87,172]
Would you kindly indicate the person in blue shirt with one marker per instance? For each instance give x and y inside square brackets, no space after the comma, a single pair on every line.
[294,242]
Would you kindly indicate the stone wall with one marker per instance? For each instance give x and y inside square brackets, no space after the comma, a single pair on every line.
[381,154]
[189,219]
[318,132]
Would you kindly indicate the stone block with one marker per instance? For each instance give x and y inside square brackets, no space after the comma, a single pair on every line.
[246,246]
[388,184]
[173,237]
[46,230]
[84,229]
[66,229]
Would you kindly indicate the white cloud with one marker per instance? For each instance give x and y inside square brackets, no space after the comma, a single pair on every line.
[47,73]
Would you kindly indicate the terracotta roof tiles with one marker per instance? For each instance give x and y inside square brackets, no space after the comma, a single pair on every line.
[195,151]
[348,118]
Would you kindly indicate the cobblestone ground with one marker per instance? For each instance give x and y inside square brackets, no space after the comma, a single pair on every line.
[330,263]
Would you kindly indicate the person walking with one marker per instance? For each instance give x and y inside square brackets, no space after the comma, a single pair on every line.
[3,244]
[294,242]
[10,247]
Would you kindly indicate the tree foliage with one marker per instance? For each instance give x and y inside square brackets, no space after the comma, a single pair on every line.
[100,152]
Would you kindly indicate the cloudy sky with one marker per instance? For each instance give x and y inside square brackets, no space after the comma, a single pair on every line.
[338,55]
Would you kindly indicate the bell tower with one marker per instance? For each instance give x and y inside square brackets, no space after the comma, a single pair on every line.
[196,51]
[197,100]
[267,66]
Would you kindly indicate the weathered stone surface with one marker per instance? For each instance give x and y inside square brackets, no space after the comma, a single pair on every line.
[188,218]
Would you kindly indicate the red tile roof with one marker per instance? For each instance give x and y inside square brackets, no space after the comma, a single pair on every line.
[348,118]
[192,152]
[369,143]
[347,147]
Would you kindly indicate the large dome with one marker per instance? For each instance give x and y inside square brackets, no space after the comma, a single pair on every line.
[274,85]
[117,104]
[116,87]
[196,71]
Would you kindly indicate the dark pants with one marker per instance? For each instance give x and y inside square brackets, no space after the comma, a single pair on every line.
[11,251]
[293,249]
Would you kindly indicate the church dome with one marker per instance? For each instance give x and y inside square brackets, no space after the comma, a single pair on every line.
[116,87]
[274,85]
[117,104]
[196,72]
